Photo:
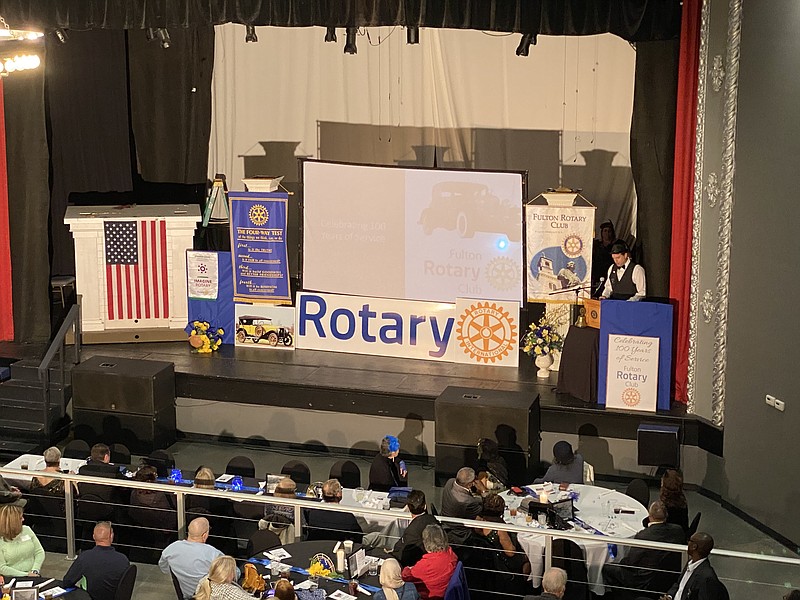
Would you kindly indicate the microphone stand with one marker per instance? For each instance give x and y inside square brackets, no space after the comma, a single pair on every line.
[579,322]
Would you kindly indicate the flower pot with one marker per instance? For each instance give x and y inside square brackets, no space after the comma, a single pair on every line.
[544,363]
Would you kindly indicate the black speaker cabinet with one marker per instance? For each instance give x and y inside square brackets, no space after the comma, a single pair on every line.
[140,433]
[464,415]
[123,400]
[658,445]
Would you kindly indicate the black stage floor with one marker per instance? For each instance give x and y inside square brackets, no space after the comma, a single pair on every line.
[376,385]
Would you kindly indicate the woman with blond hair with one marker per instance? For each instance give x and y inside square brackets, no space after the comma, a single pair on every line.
[392,585]
[21,554]
[219,584]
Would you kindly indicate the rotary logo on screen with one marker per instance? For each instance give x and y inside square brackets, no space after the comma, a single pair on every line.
[258,214]
[486,332]
[631,396]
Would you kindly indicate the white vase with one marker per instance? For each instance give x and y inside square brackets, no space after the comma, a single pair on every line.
[544,362]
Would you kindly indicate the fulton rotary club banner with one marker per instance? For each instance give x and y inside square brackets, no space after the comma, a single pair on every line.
[559,250]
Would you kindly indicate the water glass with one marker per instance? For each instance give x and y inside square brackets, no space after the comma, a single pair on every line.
[542,518]
[373,567]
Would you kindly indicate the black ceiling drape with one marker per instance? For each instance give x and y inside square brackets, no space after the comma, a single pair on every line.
[633,20]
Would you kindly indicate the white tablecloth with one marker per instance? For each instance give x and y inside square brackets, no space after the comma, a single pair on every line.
[594,506]
[374,500]
[35,462]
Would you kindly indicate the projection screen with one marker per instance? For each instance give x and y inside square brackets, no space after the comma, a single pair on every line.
[411,233]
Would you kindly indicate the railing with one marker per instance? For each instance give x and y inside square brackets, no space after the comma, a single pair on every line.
[725,561]
[57,346]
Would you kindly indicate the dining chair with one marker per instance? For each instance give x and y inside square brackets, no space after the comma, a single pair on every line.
[125,585]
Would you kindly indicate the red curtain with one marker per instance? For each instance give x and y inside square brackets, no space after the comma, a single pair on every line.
[683,189]
[6,305]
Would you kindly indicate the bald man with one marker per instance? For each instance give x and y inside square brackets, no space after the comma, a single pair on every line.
[698,580]
[190,559]
[102,566]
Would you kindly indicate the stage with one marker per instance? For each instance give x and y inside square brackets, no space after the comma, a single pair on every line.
[350,401]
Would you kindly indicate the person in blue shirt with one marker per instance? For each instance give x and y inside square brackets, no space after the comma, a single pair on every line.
[102,566]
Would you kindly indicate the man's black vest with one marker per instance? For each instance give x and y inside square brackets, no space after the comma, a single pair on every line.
[622,288]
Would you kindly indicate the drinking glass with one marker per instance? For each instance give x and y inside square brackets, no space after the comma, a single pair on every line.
[373,567]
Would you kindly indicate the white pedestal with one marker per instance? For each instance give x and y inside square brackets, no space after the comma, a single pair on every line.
[87,226]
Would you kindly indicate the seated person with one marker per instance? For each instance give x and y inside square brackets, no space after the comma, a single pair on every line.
[567,466]
[501,565]
[279,518]
[461,498]
[49,485]
[102,566]
[673,497]
[220,583]
[409,548]
[647,568]
[100,465]
[21,554]
[392,585]
[97,498]
[386,471]
[433,571]
[332,525]
[491,468]
[151,508]
[554,584]
[284,590]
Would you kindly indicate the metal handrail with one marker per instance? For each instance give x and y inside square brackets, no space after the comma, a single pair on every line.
[182,491]
[71,321]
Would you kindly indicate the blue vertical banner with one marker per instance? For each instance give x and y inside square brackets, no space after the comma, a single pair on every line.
[258,245]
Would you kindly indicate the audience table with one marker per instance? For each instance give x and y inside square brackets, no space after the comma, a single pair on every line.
[301,554]
[594,515]
[35,462]
[73,593]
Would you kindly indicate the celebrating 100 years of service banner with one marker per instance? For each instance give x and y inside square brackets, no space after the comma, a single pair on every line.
[559,248]
[258,245]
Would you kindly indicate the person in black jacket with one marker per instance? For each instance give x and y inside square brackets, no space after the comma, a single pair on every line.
[102,566]
[646,568]
[329,524]
[698,580]
[409,548]
[386,472]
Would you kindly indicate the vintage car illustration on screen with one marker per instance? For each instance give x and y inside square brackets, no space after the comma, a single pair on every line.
[470,207]
[256,329]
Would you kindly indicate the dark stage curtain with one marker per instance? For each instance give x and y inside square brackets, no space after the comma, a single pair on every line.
[29,200]
[652,156]
[683,193]
[6,282]
[633,20]
[171,104]
[87,98]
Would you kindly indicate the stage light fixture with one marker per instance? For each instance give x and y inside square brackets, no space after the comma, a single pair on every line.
[6,33]
[330,34]
[525,44]
[61,35]
[163,37]
[150,34]
[350,42]
[412,35]
[251,36]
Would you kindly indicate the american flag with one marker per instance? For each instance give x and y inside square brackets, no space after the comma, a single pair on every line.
[136,269]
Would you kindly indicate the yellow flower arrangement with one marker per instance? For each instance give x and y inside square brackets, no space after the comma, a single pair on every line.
[541,339]
[204,338]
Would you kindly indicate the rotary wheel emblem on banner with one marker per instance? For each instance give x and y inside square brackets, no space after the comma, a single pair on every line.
[572,246]
[486,332]
[258,214]
[631,396]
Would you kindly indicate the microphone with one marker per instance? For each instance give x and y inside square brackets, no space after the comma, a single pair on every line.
[599,287]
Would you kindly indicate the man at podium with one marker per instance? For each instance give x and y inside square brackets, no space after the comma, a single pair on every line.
[625,280]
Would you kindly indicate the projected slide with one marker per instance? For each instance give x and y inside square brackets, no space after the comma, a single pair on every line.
[418,234]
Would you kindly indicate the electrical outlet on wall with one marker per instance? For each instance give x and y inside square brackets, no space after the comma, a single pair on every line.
[779,405]
[770,400]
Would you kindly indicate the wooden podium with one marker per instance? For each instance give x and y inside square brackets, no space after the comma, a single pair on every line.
[592,307]
[130,270]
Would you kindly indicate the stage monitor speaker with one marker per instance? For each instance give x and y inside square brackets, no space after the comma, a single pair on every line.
[125,385]
[140,433]
[465,415]
[658,445]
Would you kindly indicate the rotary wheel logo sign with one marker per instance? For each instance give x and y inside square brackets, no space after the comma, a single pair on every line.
[258,214]
[486,332]
[631,396]
[502,273]
[572,246]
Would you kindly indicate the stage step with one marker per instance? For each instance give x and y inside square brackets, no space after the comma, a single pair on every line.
[18,409]
[14,389]
[28,370]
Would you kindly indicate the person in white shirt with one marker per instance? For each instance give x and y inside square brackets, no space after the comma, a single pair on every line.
[625,279]
[698,581]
